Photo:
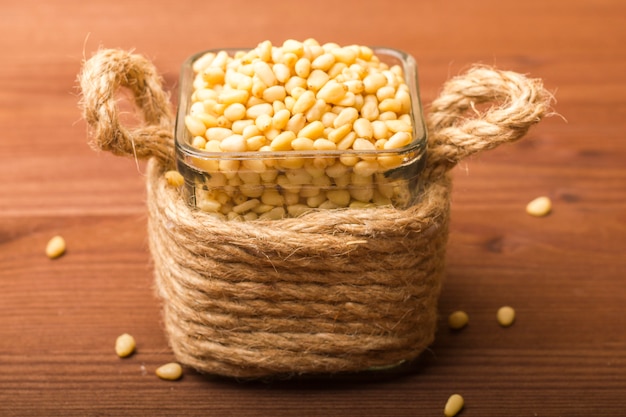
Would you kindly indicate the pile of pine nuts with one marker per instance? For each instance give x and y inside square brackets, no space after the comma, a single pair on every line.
[297,98]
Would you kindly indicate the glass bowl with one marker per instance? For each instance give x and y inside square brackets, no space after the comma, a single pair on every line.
[270,183]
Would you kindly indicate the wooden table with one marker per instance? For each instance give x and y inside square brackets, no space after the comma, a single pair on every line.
[565,274]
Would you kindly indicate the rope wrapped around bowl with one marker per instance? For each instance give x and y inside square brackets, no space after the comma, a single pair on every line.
[331,291]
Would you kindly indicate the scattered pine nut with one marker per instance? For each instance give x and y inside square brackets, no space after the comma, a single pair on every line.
[458,320]
[170,371]
[125,345]
[539,207]
[506,316]
[55,247]
[454,405]
[174,178]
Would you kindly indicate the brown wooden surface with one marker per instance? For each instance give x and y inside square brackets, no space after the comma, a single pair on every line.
[565,274]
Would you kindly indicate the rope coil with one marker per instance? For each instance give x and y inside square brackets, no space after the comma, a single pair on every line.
[331,291]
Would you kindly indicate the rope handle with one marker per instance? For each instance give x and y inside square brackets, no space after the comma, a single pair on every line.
[453,135]
[100,80]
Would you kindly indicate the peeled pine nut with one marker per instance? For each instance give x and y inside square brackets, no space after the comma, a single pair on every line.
[332,92]
[124,345]
[458,320]
[55,247]
[505,316]
[174,178]
[453,405]
[539,207]
[170,371]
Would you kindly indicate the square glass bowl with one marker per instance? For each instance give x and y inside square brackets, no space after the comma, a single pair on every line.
[275,183]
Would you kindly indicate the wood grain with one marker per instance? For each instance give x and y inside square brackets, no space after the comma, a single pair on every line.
[564,274]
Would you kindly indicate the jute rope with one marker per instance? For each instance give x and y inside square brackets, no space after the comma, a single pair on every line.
[103,75]
[331,291]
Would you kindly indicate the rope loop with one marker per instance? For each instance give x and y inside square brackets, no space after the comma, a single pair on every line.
[457,127]
[101,78]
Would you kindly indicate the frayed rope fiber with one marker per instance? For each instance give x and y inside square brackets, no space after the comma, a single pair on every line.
[331,291]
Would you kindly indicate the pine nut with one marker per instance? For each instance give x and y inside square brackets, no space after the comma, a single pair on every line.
[385,92]
[195,125]
[373,82]
[274,94]
[174,178]
[344,55]
[380,129]
[363,195]
[218,133]
[302,144]
[505,316]
[260,109]
[298,176]
[398,125]
[246,206]
[281,72]
[390,105]
[539,207]
[336,170]
[398,140]
[387,115]
[170,371]
[280,119]
[339,197]
[380,144]
[324,145]
[458,320]
[339,133]
[303,68]
[274,214]
[264,122]
[323,62]
[346,116]
[355,86]
[361,144]
[291,195]
[282,142]
[206,203]
[369,110]
[327,205]
[234,143]
[198,142]
[404,99]
[304,102]
[239,125]
[294,82]
[363,128]
[317,79]
[271,197]
[316,200]
[365,168]
[213,75]
[347,142]
[332,92]
[55,247]
[316,111]
[265,73]
[454,405]
[125,345]
[336,69]
[297,210]
[233,96]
